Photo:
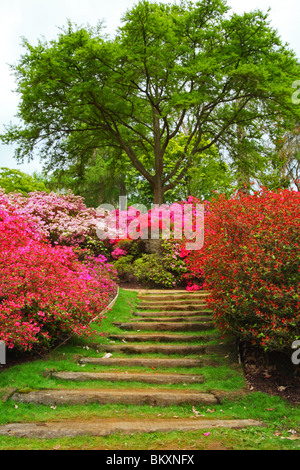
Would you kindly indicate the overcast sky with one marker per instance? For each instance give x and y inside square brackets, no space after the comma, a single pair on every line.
[34,19]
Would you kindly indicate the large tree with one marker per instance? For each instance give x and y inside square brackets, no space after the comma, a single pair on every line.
[106,176]
[170,68]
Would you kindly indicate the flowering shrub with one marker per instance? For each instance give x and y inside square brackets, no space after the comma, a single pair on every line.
[193,274]
[174,262]
[63,218]
[66,221]
[252,266]
[46,294]
[193,287]
[117,252]
[170,268]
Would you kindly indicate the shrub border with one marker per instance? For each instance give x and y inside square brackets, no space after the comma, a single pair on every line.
[109,306]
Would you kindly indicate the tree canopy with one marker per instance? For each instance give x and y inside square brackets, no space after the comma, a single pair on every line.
[171,68]
[19,182]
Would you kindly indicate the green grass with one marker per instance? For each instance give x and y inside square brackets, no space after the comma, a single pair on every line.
[282,420]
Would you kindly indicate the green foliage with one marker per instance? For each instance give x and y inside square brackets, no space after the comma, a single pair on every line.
[124,268]
[132,247]
[163,269]
[150,270]
[171,67]
[19,182]
[94,247]
[98,177]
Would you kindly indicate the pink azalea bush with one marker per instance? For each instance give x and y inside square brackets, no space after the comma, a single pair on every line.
[63,218]
[117,252]
[46,293]
[168,268]
[66,221]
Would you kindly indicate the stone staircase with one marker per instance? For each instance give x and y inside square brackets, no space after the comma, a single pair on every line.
[168,330]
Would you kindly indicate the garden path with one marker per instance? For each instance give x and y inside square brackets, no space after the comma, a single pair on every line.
[151,361]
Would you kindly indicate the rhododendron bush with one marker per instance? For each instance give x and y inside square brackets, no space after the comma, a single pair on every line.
[175,225]
[251,262]
[63,218]
[46,294]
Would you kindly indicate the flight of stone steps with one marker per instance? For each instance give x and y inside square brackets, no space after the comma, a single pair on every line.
[170,329]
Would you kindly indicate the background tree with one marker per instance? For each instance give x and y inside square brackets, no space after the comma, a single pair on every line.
[286,162]
[19,182]
[106,176]
[100,179]
[169,67]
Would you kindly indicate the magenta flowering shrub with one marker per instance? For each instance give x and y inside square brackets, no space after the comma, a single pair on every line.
[46,294]
[128,228]
[117,252]
[63,218]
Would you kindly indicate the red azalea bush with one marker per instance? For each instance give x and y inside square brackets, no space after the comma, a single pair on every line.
[251,261]
[193,277]
[46,294]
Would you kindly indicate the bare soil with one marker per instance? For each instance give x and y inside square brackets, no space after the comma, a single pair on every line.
[274,374]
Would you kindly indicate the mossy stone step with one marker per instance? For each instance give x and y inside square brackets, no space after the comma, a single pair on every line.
[160,337]
[171,300]
[172,306]
[170,313]
[165,326]
[172,292]
[152,378]
[179,296]
[148,291]
[105,427]
[133,396]
[199,318]
[180,303]
[152,363]
[153,349]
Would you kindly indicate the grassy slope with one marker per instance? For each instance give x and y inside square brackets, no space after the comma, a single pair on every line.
[280,417]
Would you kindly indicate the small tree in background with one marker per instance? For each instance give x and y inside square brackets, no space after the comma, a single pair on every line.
[19,182]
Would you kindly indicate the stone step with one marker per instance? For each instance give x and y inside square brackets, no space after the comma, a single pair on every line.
[179,296]
[180,299]
[174,292]
[133,396]
[165,326]
[114,376]
[170,313]
[199,318]
[104,427]
[153,349]
[161,337]
[153,363]
[173,307]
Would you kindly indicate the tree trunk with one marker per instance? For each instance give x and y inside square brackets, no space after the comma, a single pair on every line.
[158,193]
[123,190]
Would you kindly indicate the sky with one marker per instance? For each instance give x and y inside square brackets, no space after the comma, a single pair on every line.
[35,19]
